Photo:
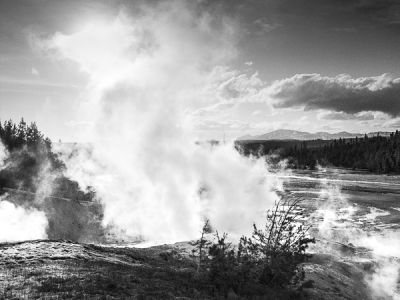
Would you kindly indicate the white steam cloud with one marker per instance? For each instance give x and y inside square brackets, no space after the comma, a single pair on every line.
[16,222]
[19,224]
[3,155]
[148,74]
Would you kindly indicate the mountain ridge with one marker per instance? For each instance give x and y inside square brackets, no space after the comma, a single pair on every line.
[287,134]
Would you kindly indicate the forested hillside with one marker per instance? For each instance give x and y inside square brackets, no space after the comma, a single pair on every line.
[380,154]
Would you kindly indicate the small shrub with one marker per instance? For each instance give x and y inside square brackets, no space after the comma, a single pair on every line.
[266,263]
[280,245]
[201,245]
[223,265]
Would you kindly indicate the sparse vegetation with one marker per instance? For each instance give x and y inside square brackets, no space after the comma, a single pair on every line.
[267,263]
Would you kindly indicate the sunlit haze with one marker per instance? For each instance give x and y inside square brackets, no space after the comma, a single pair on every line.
[49,57]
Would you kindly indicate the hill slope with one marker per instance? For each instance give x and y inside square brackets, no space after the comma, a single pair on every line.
[60,270]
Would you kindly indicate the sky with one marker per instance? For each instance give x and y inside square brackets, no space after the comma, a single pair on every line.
[310,65]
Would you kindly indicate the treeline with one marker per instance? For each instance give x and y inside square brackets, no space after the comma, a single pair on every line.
[30,154]
[31,165]
[15,136]
[380,154]
[377,154]
[28,147]
[267,147]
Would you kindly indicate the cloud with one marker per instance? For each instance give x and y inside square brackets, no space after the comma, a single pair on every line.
[225,89]
[227,125]
[77,123]
[345,29]
[341,93]
[36,82]
[394,123]
[228,85]
[384,12]
[241,86]
[34,71]
[213,110]
[367,116]
[264,26]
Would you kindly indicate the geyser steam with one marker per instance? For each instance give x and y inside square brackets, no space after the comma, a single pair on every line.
[148,72]
[18,223]
[341,223]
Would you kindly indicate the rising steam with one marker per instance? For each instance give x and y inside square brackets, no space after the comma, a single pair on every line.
[18,223]
[339,221]
[148,73]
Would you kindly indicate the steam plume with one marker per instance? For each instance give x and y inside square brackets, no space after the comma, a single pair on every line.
[339,223]
[148,73]
[18,223]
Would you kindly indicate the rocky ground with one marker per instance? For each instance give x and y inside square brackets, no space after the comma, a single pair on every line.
[60,270]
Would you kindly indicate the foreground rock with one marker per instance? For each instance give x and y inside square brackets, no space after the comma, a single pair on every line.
[61,270]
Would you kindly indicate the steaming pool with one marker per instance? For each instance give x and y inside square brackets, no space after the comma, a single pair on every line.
[355,217]
[368,201]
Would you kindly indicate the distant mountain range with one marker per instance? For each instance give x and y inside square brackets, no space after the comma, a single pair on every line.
[285,134]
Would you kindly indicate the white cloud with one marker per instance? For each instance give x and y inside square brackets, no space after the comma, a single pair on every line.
[341,93]
[362,116]
[77,123]
[34,71]
[36,82]
[264,26]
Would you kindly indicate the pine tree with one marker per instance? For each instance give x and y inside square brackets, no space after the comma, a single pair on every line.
[21,133]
